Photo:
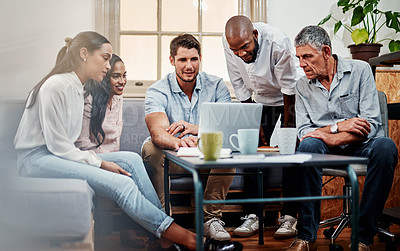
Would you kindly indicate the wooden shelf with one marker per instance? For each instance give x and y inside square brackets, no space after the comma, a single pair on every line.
[386,60]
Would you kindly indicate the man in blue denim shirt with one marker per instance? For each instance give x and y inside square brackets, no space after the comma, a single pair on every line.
[172,113]
[337,112]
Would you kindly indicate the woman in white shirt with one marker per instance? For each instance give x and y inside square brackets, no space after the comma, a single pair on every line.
[52,122]
[102,116]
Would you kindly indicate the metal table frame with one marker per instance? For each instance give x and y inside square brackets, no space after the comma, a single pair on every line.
[194,164]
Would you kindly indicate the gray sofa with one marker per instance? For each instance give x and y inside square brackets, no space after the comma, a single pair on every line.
[57,211]
[39,214]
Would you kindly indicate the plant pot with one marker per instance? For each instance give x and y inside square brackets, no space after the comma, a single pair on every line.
[364,51]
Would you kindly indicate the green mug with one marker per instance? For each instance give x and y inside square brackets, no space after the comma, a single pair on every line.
[210,144]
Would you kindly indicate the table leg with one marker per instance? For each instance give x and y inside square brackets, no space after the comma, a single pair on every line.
[166,186]
[199,215]
[354,207]
[260,178]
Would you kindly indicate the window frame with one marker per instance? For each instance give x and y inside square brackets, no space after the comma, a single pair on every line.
[107,22]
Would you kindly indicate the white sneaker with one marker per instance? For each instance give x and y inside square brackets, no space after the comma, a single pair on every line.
[287,228]
[249,226]
[214,228]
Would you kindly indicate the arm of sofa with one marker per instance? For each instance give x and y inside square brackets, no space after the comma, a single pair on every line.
[53,209]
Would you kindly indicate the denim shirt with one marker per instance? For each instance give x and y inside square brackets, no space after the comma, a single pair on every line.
[352,94]
[166,96]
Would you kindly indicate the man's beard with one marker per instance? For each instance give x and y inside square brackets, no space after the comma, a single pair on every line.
[255,50]
[187,80]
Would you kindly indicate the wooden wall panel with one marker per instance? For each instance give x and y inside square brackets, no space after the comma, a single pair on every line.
[389,83]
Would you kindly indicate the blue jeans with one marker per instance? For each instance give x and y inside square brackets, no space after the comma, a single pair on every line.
[135,194]
[382,155]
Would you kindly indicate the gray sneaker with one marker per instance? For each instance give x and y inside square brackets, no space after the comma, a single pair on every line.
[214,228]
[287,228]
[249,226]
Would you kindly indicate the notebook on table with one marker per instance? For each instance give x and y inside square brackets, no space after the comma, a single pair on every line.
[228,118]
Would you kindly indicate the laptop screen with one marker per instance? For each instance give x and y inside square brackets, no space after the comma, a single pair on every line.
[228,118]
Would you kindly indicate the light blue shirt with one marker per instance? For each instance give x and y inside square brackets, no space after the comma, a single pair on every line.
[352,94]
[166,96]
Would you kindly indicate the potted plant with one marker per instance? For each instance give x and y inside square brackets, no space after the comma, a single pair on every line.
[366,21]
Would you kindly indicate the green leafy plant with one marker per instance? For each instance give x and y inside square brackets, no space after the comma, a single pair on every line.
[366,21]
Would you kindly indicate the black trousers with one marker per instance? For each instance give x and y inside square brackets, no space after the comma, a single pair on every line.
[269,118]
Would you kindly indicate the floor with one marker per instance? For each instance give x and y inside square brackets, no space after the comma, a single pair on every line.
[112,242]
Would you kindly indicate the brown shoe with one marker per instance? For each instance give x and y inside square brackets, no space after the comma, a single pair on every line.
[362,247]
[302,245]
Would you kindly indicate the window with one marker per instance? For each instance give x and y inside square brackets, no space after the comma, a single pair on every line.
[141,31]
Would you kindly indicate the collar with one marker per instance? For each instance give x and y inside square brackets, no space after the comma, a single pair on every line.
[175,86]
[342,67]
[76,81]
[116,100]
[259,41]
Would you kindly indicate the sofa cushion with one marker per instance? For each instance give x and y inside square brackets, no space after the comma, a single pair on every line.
[134,131]
[53,209]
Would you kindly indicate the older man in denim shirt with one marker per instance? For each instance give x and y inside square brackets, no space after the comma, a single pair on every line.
[172,113]
[337,112]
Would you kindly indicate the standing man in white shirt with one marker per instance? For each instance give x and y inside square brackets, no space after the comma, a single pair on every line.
[263,68]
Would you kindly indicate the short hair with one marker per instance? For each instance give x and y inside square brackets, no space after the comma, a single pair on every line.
[187,41]
[313,35]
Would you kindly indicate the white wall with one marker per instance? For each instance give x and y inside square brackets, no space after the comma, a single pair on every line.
[31,34]
[291,16]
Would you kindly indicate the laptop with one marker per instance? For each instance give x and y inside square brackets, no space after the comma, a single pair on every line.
[228,118]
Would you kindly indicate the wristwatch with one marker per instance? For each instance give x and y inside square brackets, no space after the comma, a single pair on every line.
[334,128]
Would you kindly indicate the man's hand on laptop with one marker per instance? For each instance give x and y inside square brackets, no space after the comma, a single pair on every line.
[183,127]
[185,142]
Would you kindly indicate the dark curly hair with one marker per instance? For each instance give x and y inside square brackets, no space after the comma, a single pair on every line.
[100,92]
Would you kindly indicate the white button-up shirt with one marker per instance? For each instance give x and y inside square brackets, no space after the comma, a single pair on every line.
[275,71]
[55,120]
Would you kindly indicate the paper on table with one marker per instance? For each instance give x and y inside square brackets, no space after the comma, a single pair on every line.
[195,152]
[273,141]
[188,152]
[290,158]
[267,149]
[249,156]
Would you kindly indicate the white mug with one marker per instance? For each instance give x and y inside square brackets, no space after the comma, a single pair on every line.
[247,139]
[287,138]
